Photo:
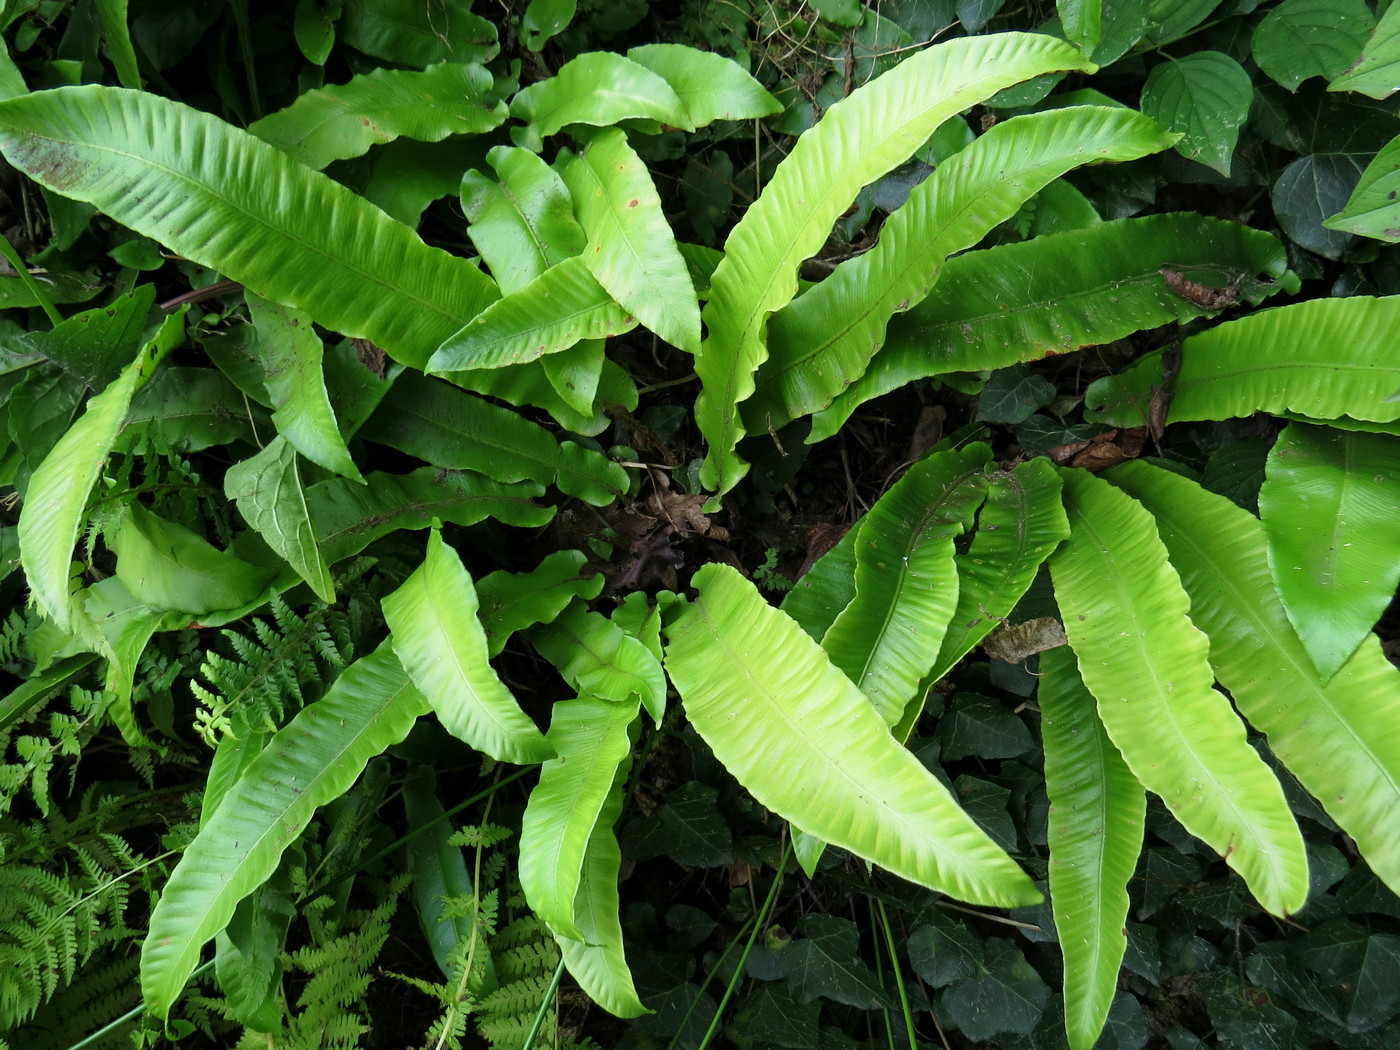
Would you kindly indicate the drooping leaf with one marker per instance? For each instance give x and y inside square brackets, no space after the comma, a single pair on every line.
[1327,507]
[1020,302]
[314,759]
[1205,96]
[822,341]
[117,34]
[124,625]
[169,567]
[247,955]
[269,494]
[631,249]
[858,140]
[1126,616]
[710,86]
[345,120]
[1373,210]
[598,658]
[1375,71]
[438,638]
[512,601]
[810,747]
[52,515]
[1299,39]
[598,88]
[555,311]
[350,517]
[1322,358]
[451,428]
[1097,809]
[590,741]
[1340,739]
[886,639]
[288,233]
[291,355]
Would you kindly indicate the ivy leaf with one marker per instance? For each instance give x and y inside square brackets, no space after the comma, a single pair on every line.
[978,725]
[772,1018]
[1013,394]
[1308,191]
[688,828]
[944,950]
[1205,96]
[826,962]
[1009,996]
[1309,38]
[1373,209]
[1377,71]
[268,491]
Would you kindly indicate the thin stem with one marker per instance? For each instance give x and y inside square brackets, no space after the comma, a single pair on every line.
[898,976]
[543,1011]
[40,296]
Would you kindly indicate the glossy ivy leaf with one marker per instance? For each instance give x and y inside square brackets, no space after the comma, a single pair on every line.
[1126,616]
[407,33]
[1299,39]
[906,586]
[749,678]
[512,601]
[859,139]
[1206,97]
[979,726]
[1327,505]
[291,354]
[288,233]
[1377,71]
[522,222]
[598,88]
[710,86]
[269,494]
[440,876]
[312,760]
[1083,23]
[1097,809]
[1007,996]
[552,313]
[823,340]
[689,828]
[631,248]
[597,962]
[451,428]
[1373,210]
[1011,303]
[439,639]
[1324,358]
[598,658]
[169,567]
[590,739]
[825,961]
[56,498]
[350,517]
[346,120]
[1309,190]
[1013,394]
[1341,739]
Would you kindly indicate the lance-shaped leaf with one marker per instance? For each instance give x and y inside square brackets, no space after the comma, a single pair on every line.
[441,644]
[451,428]
[52,515]
[809,746]
[1328,508]
[631,249]
[350,517]
[822,341]
[598,88]
[1056,293]
[291,353]
[597,962]
[560,307]
[1097,809]
[886,639]
[711,87]
[314,759]
[589,737]
[1372,210]
[345,120]
[512,601]
[598,658]
[269,494]
[1376,72]
[410,34]
[859,139]
[1125,613]
[1022,521]
[227,200]
[1083,23]
[1321,358]
[1341,739]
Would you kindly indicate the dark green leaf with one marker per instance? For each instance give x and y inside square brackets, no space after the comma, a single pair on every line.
[1013,394]
[688,828]
[415,34]
[978,725]
[986,803]
[944,950]
[1009,996]
[1374,73]
[826,962]
[1310,190]
[1206,96]
[1308,38]
[96,344]
[771,1017]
